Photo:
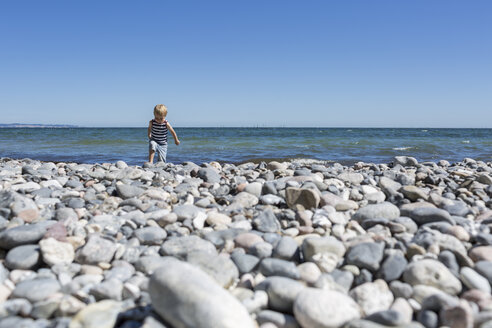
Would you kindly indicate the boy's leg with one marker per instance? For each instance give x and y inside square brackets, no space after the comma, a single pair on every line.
[162,152]
[152,147]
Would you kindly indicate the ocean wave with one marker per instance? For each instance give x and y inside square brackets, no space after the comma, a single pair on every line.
[402,148]
[466,141]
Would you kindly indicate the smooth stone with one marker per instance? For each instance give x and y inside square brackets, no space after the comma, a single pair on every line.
[102,314]
[245,199]
[270,199]
[366,255]
[261,250]
[150,235]
[351,177]
[185,296]
[373,296]
[108,289]
[36,290]
[322,245]
[282,292]
[315,308]
[383,210]
[23,257]
[209,175]
[308,198]
[392,267]
[24,208]
[387,318]
[216,218]
[148,264]
[97,249]
[406,161]
[266,221]
[128,191]
[286,248]
[245,262]
[187,212]
[414,193]
[481,253]
[55,252]
[460,316]
[247,239]
[278,267]
[401,289]
[23,235]
[484,268]
[279,320]
[425,215]
[432,273]
[473,280]
[221,268]
[180,247]
[428,319]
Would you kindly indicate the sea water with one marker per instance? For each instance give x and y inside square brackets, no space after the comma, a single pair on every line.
[236,145]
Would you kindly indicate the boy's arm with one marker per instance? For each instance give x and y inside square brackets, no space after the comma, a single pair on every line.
[149,130]
[175,136]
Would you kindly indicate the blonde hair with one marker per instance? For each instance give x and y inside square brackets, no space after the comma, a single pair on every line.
[160,110]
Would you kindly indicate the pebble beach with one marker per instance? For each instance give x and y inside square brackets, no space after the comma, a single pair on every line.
[304,243]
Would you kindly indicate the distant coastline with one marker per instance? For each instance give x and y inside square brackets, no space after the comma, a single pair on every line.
[20,125]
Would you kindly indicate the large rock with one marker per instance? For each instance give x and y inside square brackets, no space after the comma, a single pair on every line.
[373,296]
[308,198]
[219,267]
[423,215]
[180,247]
[97,249]
[56,252]
[23,257]
[209,174]
[23,235]
[282,292]
[365,255]
[102,314]
[128,191]
[384,210]
[432,273]
[266,221]
[316,308]
[186,297]
[36,290]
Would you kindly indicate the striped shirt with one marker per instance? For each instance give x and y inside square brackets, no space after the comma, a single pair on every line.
[159,132]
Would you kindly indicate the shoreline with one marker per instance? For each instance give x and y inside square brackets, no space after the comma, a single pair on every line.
[306,242]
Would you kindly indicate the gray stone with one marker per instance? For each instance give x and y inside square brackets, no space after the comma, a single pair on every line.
[384,210]
[351,177]
[282,292]
[485,269]
[36,290]
[23,235]
[180,247]
[76,202]
[187,212]
[280,320]
[187,297]
[449,260]
[254,188]
[423,215]
[401,289]
[128,191]
[24,208]
[97,249]
[245,262]
[324,308]
[271,200]
[278,267]
[148,264]
[56,252]
[473,280]
[150,235]
[261,250]
[432,273]
[209,175]
[23,257]
[392,267]
[428,319]
[286,248]
[387,318]
[221,268]
[266,221]
[108,289]
[365,255]
[406,161]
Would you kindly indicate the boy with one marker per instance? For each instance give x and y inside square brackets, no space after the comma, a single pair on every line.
[157,132]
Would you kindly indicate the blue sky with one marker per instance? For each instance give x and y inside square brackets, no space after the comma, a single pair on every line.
[247,63]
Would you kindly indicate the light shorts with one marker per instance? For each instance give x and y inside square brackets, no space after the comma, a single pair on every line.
[161,150]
